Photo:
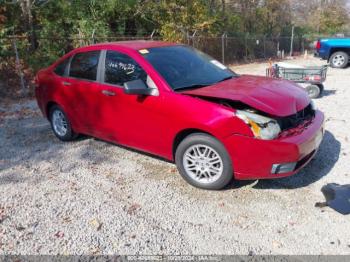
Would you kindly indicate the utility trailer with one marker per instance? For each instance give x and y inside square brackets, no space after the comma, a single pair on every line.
[310,77]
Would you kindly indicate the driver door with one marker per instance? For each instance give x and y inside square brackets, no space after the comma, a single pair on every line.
[131,120]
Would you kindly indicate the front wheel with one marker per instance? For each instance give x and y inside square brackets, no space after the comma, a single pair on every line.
[339,59]
[204,162]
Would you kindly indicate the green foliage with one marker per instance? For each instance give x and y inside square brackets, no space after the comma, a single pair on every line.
[50,28]
[176,19]
[328,23]
[5,44]
[275,16]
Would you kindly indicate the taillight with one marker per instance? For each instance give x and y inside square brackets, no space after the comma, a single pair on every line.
[318,45]
[312,78]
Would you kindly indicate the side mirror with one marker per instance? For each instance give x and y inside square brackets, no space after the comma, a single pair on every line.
[138,87]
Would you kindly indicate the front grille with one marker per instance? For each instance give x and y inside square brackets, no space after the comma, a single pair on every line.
[293,121]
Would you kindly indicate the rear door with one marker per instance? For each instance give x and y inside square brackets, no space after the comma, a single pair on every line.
[84,89]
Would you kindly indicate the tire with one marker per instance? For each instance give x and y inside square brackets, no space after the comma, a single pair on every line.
[339,59]
[60,124]
[197,170]
[321,87]
[313,91]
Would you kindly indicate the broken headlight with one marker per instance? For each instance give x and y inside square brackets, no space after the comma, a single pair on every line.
[262,127]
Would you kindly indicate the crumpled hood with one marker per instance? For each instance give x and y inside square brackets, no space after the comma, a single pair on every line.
[272,96]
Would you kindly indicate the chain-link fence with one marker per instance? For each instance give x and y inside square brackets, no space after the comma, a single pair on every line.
[20,61]
[230,50]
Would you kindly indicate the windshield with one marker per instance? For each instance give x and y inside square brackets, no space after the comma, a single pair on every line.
[184,67]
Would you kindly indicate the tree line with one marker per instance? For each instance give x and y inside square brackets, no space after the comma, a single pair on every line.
[45,29]
[170,18]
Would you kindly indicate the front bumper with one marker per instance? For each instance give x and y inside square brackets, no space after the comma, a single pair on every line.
[254,158]
[321,54]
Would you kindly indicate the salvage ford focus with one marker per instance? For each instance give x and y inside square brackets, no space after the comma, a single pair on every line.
[176,102]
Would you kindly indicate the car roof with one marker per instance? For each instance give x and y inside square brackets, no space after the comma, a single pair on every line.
[136,44]
[132,45]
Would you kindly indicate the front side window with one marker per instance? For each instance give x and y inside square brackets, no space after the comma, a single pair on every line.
[84,65]
[120,68]
[61,68]
[184,67]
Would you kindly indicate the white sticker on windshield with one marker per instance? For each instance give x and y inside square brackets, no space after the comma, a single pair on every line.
[218,64]
[143,51]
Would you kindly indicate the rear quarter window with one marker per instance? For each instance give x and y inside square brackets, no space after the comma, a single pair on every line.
[61,67]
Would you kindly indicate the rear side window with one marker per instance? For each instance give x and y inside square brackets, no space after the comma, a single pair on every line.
[84,65]
[61,68]
[120,68]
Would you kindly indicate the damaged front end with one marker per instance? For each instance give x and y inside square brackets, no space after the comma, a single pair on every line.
[265,126]
[262,127]
[296,123]
[277,146]
[286,130]
[270,127]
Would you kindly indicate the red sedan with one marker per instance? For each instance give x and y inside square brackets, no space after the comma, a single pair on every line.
[176,102]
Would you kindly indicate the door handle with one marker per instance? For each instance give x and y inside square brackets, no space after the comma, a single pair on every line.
[108,93]
[66,83]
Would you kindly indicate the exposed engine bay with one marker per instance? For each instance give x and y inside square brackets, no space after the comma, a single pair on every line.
[285,123]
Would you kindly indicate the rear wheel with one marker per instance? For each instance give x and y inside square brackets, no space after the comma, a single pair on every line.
[313,91]
[60,124]
[204,162]
[339,59]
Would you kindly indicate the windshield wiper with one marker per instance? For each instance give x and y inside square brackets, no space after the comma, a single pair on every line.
[224,79]
[202,85]
[190,87]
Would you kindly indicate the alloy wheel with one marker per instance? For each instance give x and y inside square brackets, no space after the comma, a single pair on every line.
[59,123]
[203,164]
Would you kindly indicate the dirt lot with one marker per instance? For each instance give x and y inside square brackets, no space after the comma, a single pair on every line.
[92,197]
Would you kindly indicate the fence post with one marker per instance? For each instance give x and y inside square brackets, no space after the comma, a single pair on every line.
[19,68]
[302,44]
[223,47]
[291,42]
[193,38]
[154,30]
[246,46]
[93,36]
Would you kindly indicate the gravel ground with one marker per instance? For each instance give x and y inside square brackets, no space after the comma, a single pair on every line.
[92,197]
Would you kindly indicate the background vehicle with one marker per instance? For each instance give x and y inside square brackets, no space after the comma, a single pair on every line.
[335,50]
[311,78]
[176,102]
